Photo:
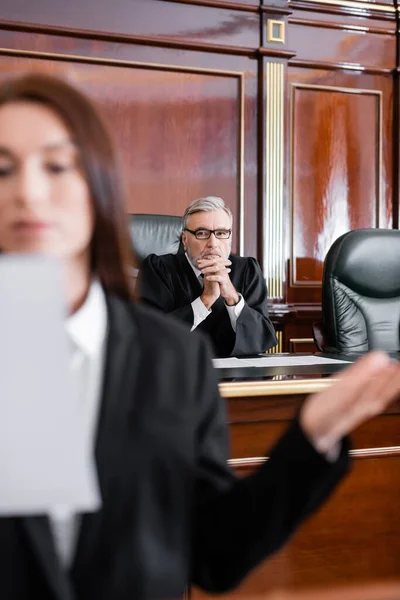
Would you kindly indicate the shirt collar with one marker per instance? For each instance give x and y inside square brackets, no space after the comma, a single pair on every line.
[196,271]
[87,327]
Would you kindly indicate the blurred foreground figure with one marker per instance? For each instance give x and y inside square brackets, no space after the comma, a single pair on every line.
[172,511]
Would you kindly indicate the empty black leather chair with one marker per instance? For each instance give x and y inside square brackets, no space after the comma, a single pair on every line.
[155,234]
[361,292]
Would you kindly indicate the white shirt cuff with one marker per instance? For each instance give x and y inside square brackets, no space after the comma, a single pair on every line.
[330,454]
[200,312]
[333,453]
[234,311]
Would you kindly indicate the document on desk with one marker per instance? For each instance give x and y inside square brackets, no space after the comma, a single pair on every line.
[271,360]
[46,460]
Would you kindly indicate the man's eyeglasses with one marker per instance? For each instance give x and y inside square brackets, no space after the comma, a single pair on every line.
[205,234]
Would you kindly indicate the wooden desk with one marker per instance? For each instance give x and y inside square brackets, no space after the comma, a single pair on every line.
[380,591]
[355,537]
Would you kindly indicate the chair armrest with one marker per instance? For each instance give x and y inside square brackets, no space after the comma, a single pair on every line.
[319,336]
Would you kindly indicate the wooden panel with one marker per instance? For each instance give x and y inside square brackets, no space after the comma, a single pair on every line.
[151,19]
[339,133]
[348,20]
[336,160]
[296,322]
[354,538]
[371,591]
[301,345]
[299,333]
[382,11]
[255,439]
[337,44]
[341,170]
[187,122]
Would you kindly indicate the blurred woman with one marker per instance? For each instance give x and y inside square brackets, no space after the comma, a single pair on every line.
[172,511]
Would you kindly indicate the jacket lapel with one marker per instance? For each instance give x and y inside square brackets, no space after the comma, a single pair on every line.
[117,393]
[41,540]
[118,385]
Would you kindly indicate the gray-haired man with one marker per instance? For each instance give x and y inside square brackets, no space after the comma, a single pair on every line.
[207,287]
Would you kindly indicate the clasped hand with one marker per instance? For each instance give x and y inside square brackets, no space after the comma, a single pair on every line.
[217,282]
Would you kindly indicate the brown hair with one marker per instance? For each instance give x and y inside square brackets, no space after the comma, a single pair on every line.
[112,256]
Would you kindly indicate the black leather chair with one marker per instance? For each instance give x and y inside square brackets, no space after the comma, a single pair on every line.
[158,234]
[361,292]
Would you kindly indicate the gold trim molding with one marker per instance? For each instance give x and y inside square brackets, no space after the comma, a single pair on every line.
[385,451]
[294,341]
[241,389]
[273,258]
[279,346]
[239,75]
[273,24]
[379,210]
[240,178]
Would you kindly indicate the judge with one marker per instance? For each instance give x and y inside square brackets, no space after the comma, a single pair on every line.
[207,287]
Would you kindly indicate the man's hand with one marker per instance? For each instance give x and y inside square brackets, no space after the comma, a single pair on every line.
[363,391]
[216,272]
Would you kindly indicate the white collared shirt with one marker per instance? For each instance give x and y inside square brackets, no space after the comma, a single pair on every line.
[87,331]
[200,312]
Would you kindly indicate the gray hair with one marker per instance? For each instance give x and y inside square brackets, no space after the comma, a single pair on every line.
[207,204]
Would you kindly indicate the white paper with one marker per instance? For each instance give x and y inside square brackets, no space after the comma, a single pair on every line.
[272,360]
[45,460]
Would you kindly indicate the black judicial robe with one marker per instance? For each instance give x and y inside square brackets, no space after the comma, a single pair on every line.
[172,510]
[169,283]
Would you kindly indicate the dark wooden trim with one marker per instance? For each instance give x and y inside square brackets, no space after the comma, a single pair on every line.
[281,309]
[265,52]
[285,54]
[291,312]
[341,26]
[343,10]
[275,10]
[163,42]
[339,66]
[219,4]
[74,58]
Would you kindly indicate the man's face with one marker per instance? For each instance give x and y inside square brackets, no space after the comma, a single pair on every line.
[213,247]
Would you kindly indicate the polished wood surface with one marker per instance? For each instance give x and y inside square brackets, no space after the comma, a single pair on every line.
[328,124]
[355,537]
[340,132]
[378,591]
[146,19]
[188,122]
[185,85]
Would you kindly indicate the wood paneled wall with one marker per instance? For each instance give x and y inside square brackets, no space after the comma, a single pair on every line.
[286,110]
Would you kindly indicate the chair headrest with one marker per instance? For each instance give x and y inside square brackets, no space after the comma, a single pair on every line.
[367,261]
[155,234]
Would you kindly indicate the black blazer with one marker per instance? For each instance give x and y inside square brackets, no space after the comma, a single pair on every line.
[169,283]
[172,511]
